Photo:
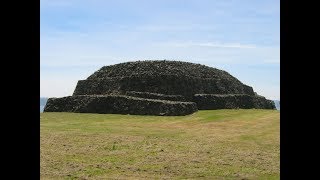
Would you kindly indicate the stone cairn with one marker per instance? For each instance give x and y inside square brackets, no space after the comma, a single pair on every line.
[167,88]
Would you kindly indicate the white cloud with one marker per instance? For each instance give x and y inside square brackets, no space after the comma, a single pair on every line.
[68,50]
[175,27]
[208,44]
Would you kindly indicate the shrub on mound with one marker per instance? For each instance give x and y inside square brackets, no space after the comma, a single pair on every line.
[231,101]
[149,95]
[119,104]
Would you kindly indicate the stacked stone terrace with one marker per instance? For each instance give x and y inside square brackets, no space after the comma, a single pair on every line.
[158,88]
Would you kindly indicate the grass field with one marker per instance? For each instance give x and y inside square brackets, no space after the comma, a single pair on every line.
[213,144]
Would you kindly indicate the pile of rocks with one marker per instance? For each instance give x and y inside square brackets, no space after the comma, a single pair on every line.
[158,88]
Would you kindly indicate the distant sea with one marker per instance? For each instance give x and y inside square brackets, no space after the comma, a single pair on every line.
[41,108]
[277,103]
[43,102]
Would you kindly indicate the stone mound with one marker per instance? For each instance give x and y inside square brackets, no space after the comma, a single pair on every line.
[158,88]
[119,104]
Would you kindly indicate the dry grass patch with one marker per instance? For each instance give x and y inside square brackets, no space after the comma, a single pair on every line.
[216,144]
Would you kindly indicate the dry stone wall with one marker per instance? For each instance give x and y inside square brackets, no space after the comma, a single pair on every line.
[158,88]
[119,104]
[232,101]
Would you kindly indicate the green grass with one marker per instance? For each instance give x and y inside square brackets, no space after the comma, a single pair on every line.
[211,144]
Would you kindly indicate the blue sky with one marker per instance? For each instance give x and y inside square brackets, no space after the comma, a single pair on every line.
[80,36]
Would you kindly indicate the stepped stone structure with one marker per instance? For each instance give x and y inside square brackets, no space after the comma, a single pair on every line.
[158,88]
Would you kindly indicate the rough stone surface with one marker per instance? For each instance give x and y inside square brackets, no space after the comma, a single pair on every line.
[230,101]
[119,104]
[148,95]
[163,77]
[143,87]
